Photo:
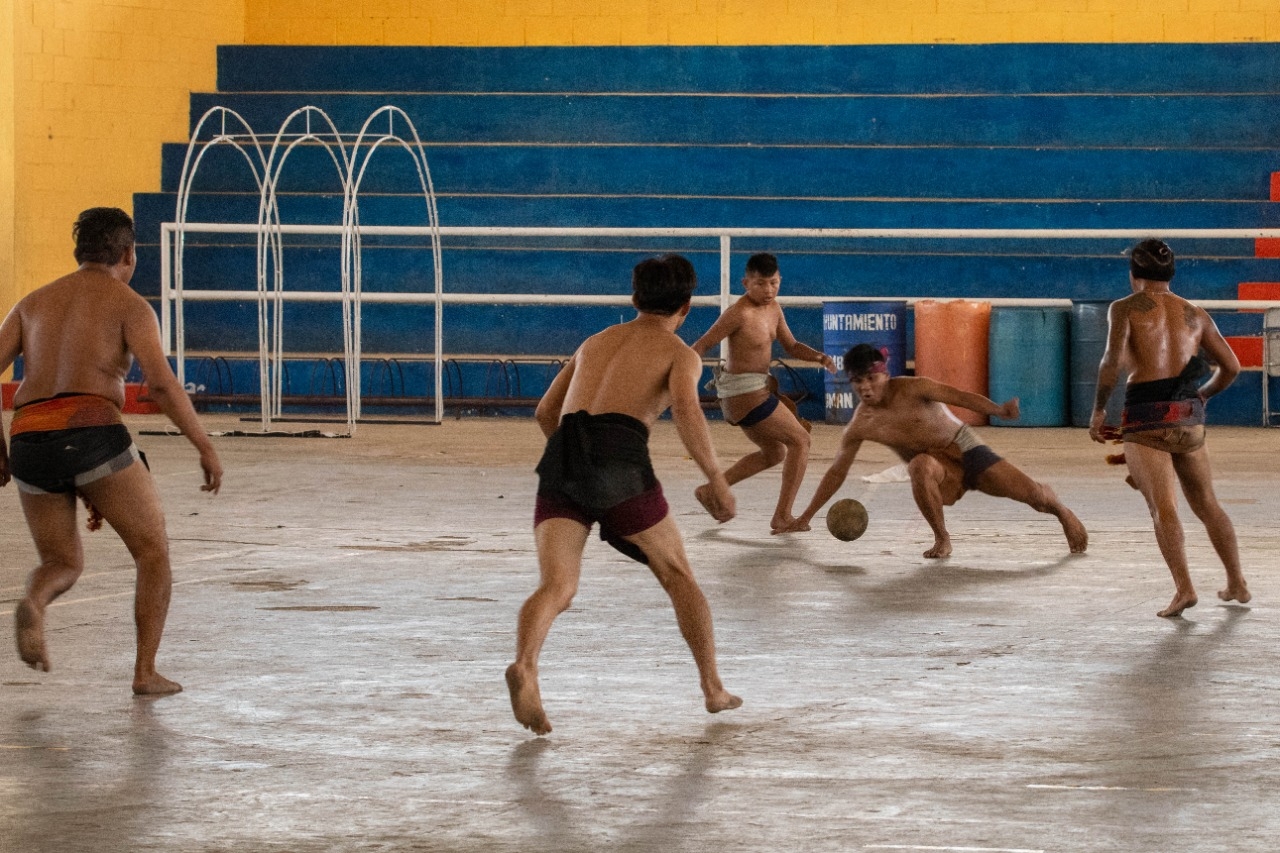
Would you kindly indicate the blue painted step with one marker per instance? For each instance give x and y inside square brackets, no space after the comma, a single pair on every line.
[762,172]
[624,212]
[1196,120]
[866,69]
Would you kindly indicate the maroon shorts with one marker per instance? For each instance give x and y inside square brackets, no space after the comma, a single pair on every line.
[632,516]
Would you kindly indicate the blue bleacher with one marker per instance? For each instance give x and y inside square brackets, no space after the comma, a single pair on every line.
[949,136]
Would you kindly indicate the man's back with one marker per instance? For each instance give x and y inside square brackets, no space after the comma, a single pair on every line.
[1163,332]
[74,337]
[627,369]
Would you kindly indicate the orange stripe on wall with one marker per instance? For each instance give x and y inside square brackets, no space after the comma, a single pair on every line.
[1258,290]
[1247,349]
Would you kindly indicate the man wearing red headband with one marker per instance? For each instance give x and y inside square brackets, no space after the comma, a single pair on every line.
[945,458]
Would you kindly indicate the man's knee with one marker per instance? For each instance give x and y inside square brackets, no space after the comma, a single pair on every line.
[559,592]
[924,467]
[148,546]
[672,572]
[774,452]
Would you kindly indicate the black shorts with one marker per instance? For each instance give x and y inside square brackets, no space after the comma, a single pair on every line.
[62,460]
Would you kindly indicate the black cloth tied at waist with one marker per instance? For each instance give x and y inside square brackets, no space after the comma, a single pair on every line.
[1184,386]
[599,461]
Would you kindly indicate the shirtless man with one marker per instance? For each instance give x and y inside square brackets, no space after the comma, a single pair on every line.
[78,337]
[945,458]
[1156,336]
[752,324]
[596,416]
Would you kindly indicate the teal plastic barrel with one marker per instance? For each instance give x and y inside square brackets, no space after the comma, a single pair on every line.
[845,323]
[1028,360]
[1088,343]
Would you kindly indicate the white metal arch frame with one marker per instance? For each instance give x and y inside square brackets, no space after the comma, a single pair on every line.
[269,229]
[375,140]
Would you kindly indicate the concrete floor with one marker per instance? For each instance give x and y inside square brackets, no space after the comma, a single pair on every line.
[343,612]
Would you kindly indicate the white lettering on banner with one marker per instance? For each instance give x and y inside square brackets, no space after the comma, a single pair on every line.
[840,400]
[859,322]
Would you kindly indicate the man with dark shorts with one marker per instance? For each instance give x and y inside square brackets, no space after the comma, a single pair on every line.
[1157,337]
[745,389]
[945,458]
[597,415]
[78,338]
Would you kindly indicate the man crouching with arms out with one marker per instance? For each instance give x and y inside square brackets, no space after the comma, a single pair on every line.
[78,337]
[945,458]
[596,469]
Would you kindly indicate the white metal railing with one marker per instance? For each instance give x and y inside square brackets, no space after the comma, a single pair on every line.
[172,292]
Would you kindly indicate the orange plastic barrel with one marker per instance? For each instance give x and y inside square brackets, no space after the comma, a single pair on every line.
[953,345]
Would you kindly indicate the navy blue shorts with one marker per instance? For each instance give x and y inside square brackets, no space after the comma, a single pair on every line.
[759,413]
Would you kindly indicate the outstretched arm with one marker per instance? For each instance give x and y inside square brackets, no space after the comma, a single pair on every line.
[142,337]
[802,352]
[941,392]
[832,480]
[691,425]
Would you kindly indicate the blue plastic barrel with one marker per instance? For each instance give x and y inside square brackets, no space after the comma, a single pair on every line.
[1088,343]
[845,323]
[1028,360]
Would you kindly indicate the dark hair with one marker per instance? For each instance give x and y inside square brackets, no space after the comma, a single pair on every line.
[860,357]
[1152,260]
[762,264]
[663,285]
[102,235]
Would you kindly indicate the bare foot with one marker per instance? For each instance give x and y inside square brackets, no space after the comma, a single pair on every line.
[794,526]
[1180,602]
[29,632]
[784,524]
[722,700]
[941,548]
[1077,536]
[1236,593]
[526,702]
[155,685]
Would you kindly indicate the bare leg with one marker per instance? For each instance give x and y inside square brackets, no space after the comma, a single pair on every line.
[927,477]
[130,504]
[560,542]
[1197,484]
[52,522]
[1153,471]
[665,549]
[781,436]
[1005,480]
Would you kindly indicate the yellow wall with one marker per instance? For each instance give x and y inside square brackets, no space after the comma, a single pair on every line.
[739,22]
[97,86]
[8,286]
